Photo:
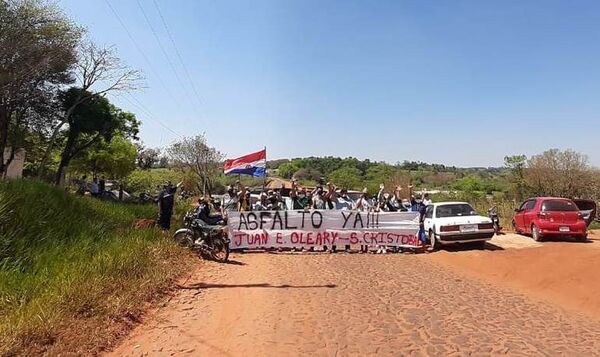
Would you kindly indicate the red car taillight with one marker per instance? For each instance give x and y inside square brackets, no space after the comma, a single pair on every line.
[486,226]
[579,215]
[449,228]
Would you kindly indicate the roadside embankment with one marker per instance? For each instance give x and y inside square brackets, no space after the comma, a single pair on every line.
[74,274]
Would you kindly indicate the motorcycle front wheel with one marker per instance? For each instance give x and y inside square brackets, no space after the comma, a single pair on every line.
[220,250]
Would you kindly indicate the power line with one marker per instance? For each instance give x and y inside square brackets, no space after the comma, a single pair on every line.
[162,48]
[136,103]
[177,52]
[137,46]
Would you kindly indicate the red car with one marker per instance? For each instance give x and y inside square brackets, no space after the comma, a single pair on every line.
[550,216]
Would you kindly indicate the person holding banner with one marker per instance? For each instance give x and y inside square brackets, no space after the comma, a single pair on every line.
[363,205]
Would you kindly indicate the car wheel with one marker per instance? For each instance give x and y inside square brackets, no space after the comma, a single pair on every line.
[535,233]
[435,245]
[582,238]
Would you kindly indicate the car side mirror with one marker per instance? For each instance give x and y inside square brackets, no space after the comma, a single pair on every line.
[517,210]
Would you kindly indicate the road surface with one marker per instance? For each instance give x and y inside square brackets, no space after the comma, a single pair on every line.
[352,304]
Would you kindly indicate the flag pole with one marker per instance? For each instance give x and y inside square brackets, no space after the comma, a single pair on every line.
[265,176]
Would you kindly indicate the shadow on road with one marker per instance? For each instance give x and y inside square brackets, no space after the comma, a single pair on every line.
[234,262]
[470,246]
[262,285]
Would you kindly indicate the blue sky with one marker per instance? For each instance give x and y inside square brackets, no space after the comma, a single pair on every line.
[455,82]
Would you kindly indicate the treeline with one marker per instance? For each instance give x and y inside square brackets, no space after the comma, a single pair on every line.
[554,172]
[353,173]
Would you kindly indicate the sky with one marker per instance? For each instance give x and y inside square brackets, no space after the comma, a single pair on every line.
[460,83]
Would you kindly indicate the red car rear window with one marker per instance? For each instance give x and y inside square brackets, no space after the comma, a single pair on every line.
[559,206]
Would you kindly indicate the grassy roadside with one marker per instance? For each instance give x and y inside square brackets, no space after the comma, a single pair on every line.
[72,271]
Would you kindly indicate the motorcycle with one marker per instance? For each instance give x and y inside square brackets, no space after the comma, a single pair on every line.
[493,214]
[209,240]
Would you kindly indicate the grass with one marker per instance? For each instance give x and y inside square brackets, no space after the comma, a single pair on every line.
[72,271]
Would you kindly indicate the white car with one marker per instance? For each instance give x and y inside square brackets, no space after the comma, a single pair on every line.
[456,222]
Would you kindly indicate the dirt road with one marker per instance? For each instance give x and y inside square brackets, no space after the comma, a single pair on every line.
[336,305]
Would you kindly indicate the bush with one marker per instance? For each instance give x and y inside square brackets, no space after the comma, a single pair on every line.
[69,261]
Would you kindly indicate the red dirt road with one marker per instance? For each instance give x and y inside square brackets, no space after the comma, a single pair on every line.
[340,304]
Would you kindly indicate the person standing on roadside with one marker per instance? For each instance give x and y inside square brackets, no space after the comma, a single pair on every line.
[417,205]
[166,202]
[101,186]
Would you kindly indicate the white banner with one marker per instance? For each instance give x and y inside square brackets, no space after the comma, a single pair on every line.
[264,229]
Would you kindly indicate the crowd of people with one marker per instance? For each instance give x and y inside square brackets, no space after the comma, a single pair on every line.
[322,197]
[238,198]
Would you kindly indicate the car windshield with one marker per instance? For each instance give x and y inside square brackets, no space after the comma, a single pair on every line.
[455,210]
[559,206]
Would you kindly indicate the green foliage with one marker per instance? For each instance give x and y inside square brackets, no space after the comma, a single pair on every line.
[151,180]
[115,159]
[287,170]
[516,164]
[346,177]
[66,261]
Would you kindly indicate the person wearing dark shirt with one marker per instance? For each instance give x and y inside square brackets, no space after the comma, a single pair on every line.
[166,202]
[101,186]
[417,205]
[204,213]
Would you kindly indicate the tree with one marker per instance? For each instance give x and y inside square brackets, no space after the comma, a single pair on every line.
[115,159]
[286,170]
[89,123]
[346,177]
[194,155]
[560,173]
[308,174]
[516,164]
[38,53]
[98,72]
[147,158]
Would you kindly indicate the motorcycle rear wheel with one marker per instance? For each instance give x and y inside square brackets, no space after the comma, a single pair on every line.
[185,239]
[220,250]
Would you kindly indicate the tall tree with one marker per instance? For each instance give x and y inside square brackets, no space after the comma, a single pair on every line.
[516,164]
[38,45]
[194,155]
[98,72]
[91,121]
[147,158]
